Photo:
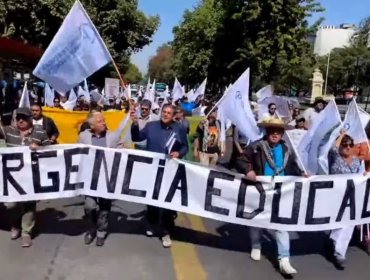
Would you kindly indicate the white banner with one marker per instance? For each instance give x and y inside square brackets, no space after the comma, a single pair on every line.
[291,204]
[111,87]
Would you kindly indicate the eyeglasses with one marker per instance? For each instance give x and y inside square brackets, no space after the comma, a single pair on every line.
[346,145]
[21,117]
[144,109]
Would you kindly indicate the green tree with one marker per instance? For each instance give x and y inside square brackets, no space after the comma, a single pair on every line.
[266,36]
[160,65]
[122,26]
[194,41]
[349,67]
[362,36]
[133,75]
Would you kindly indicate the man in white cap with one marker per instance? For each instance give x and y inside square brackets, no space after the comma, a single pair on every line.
[270,156]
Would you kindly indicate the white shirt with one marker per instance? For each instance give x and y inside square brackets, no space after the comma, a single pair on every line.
[37,122]
[310,115]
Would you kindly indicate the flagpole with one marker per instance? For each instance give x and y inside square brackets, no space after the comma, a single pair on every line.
[101,39]
[119,74]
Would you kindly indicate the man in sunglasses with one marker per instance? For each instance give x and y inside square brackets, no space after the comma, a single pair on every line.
[145,117]
[270,156]
[23,133]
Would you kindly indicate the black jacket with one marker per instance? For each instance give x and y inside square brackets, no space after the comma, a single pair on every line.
[50,127]
[253,158]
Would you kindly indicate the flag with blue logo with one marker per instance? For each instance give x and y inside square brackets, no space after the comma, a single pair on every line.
[76,52]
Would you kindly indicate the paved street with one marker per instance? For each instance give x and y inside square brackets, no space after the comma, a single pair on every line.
[203,249]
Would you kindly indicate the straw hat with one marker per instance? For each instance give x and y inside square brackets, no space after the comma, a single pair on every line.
[273,122]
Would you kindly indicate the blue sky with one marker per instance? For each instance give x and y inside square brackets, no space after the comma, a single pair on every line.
[171,11]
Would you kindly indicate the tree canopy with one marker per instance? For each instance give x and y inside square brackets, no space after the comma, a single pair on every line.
[349,67]
[222,38]
[122,26]
[133,75]
[160,65]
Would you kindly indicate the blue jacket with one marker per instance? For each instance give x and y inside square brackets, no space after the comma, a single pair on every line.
[158,137]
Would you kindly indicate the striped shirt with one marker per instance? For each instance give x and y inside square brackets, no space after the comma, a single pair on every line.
[13,137]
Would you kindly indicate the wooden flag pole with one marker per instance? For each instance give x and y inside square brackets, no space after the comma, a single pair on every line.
[122,83]
[119,74]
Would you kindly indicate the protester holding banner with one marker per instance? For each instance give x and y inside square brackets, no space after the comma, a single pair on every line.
[341,161]
[24,133]
[167,137]
[47,123]
[270,157]
[98,135]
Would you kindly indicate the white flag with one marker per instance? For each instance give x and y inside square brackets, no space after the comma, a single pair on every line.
[49,96]
[165,94]
[199,92]
[353,125]
[85,85]
[24,102]
[264,93]
[364,116]
[236,108]
[150,92]
[224,123]
[292,139]
[199,111]
[316,141]
[190,94]
[71,102]
[127,92]
[84,93]
[76,52]
[177,91]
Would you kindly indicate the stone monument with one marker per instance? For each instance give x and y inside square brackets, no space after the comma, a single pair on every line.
[317,85]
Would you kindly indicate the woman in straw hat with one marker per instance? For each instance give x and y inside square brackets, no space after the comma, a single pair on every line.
[270,156]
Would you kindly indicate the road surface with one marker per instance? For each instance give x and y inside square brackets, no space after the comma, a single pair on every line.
[202,249]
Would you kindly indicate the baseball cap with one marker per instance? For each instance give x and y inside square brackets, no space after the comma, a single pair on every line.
[23,111]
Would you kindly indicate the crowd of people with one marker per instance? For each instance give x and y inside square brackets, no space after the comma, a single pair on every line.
[164,128]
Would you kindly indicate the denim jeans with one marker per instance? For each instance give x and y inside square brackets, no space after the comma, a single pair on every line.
[281,237]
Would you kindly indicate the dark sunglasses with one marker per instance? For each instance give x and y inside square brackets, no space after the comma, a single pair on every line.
[144,109]
[21,117]
[346,145]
